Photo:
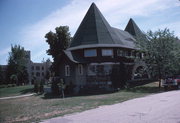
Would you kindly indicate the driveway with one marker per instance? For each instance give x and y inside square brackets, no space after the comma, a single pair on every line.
[158,108]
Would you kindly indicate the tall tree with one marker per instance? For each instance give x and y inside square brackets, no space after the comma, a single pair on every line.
[58,42]
[17,64]
[162,52]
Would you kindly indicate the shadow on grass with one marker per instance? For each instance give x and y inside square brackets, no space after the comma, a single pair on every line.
[144,89]
[52,96]
[26,91]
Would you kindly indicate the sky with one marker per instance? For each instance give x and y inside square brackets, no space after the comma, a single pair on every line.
[25,22]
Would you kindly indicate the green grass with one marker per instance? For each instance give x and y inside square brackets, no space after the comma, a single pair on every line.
[36,108]
[15,91]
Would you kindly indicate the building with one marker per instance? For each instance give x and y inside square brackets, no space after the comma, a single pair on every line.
[39,71]
[36,71]
[96,48]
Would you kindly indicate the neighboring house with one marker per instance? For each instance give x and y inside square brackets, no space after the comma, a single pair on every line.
[96,48]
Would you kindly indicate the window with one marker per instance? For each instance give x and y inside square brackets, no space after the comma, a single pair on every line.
[92,70]
[80,69]
[42,73]
[32,67]
[32,73]
[120,52]
[67,70]
[37,68]
[137,55]
[42,68]
[90,53]
[132,53]
[107,52]
[37,74]
[126,53]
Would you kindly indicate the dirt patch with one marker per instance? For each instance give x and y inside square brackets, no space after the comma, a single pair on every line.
[21,119]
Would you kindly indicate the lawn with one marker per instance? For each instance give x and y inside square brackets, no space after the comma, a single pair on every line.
[15,91]
[36,108]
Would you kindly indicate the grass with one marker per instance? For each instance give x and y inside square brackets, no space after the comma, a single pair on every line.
[15,91]
[36,108]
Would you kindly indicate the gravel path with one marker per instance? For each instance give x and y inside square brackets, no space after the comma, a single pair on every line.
[158,108]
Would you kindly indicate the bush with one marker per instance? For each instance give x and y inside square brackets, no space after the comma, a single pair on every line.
[39,87]
[3,86]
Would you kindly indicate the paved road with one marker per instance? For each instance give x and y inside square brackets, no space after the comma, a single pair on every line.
[158,108]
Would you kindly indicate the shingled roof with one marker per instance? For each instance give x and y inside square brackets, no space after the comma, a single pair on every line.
[94,30]
[133,29]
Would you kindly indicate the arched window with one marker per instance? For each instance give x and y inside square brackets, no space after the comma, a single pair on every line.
[80,69]
[67,70]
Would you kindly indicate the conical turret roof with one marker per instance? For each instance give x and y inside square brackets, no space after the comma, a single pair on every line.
[133,29]
[94,29]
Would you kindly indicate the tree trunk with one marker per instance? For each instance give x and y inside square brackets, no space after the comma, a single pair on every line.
[159,72]
[62,93]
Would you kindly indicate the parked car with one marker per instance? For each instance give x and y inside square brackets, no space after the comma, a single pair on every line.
[177,80]
[171,82]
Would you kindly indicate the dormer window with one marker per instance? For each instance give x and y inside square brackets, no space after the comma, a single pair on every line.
[90,53]
[107,52]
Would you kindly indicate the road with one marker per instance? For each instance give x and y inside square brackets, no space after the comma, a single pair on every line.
[157,108]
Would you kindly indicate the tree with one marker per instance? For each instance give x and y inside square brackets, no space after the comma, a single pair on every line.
[162,54]
[58,42]
[14,78]
[17,65]
[55,87]
[62,87]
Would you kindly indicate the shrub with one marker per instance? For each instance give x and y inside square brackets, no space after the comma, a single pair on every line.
[3,86]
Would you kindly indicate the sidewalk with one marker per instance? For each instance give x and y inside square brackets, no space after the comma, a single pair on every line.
[12,97]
